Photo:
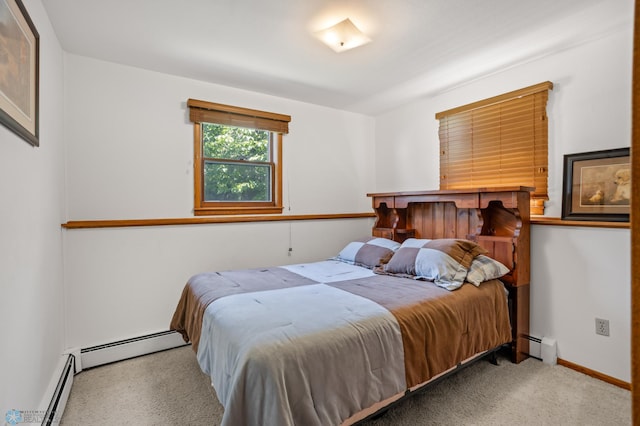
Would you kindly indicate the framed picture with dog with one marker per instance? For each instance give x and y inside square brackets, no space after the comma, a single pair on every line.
[597,186]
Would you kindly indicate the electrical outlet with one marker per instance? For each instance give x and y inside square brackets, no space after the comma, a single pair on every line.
[602,327]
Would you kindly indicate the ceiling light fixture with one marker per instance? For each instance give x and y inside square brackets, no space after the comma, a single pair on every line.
[342,36]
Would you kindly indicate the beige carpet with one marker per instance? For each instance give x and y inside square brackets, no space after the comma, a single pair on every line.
[168,388]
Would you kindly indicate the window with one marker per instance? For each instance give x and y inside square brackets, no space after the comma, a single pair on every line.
[237,159]
[500,141]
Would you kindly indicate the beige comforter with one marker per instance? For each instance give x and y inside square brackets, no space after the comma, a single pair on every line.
[439,329]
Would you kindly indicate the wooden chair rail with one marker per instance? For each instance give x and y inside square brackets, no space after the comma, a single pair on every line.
[123,223]
[556,221]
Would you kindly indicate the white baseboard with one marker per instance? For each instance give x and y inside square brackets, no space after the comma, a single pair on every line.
[55,398]
[75,360]
[129,348]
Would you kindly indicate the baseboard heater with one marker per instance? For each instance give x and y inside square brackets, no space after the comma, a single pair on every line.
[544,349]
[535,347]
[129,348]
[61,394]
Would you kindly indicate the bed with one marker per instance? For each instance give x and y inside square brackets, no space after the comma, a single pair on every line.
[333,341]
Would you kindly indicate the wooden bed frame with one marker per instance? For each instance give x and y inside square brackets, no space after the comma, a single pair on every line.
[495,218]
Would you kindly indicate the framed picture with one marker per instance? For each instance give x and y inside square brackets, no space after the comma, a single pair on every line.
[19,71]
[597,186]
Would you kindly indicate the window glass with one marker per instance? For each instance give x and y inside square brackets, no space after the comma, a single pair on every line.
[237,163]
[234,143]
[236,182]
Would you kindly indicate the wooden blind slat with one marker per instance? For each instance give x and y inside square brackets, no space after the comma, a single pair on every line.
[540,88]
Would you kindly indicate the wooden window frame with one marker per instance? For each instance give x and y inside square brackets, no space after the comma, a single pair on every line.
[498,106]
[277,125]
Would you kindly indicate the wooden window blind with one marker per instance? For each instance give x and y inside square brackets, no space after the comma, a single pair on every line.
[209,112]
[498,141]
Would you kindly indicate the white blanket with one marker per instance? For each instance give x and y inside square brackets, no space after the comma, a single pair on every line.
[329,271]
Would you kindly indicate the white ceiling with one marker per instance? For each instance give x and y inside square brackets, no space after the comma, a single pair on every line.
[418,48]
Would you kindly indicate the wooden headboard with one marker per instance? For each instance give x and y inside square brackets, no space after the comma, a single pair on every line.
[495,218]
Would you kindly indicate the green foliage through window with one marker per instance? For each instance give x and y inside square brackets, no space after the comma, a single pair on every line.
[237,163]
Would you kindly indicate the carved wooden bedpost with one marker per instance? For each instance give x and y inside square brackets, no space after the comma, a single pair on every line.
[506,235]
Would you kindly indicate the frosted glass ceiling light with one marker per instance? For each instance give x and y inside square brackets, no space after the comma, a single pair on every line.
[342,36]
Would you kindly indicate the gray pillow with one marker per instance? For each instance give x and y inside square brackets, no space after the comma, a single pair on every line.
[444,261]
[368,252]
[483,268]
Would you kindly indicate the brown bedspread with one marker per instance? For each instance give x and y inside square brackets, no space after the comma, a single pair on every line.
[440,328]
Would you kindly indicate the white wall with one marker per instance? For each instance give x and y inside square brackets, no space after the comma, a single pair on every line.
[130,155]
[31,259]
[577,274]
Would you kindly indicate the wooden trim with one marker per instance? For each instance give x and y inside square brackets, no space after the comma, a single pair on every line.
[230,210]
[202,111]
[198,184]
[635,230]
[556,221]
[195,103]
[595,374]
[540,87]
[276,155]
[203,208]
[124,223]
[452,191]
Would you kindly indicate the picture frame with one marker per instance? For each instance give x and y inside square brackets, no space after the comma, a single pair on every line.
[597,186]
[19,72]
